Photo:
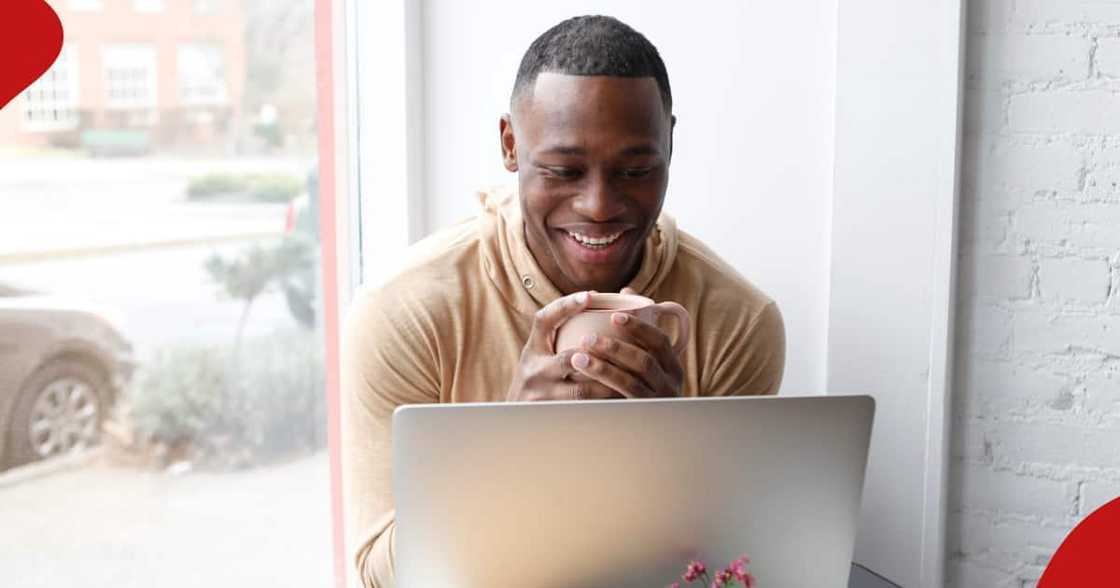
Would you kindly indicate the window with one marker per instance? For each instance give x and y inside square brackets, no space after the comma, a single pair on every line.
[161,300]
[51,103]
[80,5]
[147,5]
[130,76]
[201,74]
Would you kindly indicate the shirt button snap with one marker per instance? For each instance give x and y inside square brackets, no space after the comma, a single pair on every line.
[527,281]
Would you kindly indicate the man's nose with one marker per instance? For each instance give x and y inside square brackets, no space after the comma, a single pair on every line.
[599,201]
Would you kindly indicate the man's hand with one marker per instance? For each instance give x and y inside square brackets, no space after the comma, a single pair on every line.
[637,362]
[543,374]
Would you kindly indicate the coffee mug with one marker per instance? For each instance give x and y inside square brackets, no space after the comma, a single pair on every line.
[596,318]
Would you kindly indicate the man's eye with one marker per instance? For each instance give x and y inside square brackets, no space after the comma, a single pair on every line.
[562,172]
[636,172]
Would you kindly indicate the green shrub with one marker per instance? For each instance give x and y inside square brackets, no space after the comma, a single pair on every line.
[231,411]
[275,188]
[259,187]
[216,185]
[271,134]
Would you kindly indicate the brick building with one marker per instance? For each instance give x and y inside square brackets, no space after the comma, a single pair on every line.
[138,73]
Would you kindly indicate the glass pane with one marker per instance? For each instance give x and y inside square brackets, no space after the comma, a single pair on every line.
[162,410]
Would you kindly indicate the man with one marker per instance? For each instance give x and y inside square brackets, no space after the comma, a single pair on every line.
[471,319]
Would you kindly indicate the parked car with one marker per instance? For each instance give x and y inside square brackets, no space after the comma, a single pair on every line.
[62,364]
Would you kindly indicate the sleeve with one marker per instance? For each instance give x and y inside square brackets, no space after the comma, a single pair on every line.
[389,357]
[752,359]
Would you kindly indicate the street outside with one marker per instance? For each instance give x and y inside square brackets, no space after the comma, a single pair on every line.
[121,233]
[104,526]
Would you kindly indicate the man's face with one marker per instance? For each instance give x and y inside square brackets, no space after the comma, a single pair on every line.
[592,156]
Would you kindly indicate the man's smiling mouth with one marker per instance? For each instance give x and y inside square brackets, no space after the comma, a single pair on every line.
[594,242]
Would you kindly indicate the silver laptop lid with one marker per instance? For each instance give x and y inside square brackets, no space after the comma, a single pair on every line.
[625,493]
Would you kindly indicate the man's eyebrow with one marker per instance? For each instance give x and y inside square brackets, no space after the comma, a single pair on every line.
[627,152]
[641,150]
[564,150]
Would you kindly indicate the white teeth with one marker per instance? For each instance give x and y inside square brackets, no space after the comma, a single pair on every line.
[595,241]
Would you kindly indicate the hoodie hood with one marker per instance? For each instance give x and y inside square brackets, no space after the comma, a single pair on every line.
[514,271]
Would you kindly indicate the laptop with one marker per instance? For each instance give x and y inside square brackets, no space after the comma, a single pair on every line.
[624,493]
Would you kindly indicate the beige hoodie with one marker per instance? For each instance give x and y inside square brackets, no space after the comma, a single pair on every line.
[450,328]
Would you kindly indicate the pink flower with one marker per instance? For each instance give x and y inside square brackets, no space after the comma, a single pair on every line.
[738,569]
[735,572]
[695,569]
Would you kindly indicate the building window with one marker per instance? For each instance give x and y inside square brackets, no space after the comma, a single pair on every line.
[79,5]
[202,77]
[51,103]
[205,6]
[130,76]
[147,5]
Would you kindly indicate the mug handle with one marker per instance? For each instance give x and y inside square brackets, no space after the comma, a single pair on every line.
[684,323]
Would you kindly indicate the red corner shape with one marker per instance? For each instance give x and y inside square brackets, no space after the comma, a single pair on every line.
[1090,555]
[30,41]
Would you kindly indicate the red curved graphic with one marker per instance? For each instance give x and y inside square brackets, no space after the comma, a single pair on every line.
[1088,556]
[30,41]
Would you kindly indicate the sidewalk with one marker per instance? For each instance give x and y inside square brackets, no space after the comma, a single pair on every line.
[66,208]
[122,228]
[106,526]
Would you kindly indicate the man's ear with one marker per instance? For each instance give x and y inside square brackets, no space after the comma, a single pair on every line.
[509,144]
[672,125]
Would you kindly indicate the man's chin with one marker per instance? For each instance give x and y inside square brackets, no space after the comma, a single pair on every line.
[605,271]
[609,283]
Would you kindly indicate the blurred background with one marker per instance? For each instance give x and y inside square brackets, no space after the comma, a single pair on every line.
[161,356]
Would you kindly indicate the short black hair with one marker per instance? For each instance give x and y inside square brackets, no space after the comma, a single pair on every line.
[593,46]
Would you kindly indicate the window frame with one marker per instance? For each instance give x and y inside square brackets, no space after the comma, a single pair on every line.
[339,231]
[150,102]
[67,59]
[221,97]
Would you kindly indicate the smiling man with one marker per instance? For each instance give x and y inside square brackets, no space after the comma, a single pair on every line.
[472,317]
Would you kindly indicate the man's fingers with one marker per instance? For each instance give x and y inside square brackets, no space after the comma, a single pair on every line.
[592,390]
[612,376]
[561,365]
[646,336]
[631,358]
[549,318]
[629,290]
[585,389]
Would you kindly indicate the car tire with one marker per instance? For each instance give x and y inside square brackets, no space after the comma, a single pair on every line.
[60,409]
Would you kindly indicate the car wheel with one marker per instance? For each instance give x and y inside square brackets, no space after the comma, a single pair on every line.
[59,410]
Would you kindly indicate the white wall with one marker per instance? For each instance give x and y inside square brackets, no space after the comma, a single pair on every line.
[891,305]
[762,91]
[1037,407]
[752,168]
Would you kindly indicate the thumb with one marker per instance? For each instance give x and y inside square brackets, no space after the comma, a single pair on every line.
[549,318]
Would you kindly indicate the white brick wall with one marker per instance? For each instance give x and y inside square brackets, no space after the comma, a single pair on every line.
[1036,424]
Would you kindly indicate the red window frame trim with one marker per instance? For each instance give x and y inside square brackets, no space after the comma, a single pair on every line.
[325,33]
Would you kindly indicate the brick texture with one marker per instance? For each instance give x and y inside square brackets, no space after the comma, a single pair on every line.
[1036,411]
